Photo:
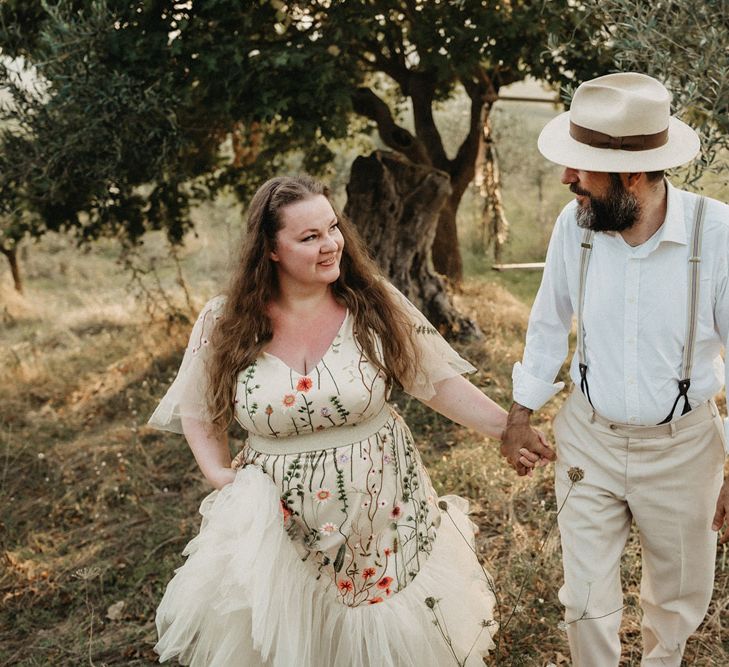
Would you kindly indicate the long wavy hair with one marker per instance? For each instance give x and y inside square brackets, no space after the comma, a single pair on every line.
[244,327]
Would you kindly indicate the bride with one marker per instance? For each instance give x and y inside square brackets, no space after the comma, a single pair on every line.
[324,542]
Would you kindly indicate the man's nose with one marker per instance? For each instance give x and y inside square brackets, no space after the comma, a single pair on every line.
[569,175]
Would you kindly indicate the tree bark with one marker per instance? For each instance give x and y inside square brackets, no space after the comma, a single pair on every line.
[12,257]
[394,203]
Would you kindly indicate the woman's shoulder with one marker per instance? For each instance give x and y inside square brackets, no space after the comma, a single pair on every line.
[214,305]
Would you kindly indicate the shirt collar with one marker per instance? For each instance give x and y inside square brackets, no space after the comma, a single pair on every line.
[674,226]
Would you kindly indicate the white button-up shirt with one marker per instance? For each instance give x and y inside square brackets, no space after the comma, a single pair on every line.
[634,315]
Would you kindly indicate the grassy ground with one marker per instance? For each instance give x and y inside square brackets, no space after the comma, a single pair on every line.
[96,507]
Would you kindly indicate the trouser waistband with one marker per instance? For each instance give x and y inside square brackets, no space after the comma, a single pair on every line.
[701,413]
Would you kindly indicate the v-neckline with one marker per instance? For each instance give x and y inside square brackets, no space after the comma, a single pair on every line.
[323,356]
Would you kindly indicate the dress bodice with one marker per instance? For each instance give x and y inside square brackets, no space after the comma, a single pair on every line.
[344,388]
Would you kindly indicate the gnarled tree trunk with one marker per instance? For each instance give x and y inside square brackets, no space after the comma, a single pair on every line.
[395,205]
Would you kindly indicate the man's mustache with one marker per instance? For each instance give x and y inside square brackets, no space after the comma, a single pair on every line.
[577,190]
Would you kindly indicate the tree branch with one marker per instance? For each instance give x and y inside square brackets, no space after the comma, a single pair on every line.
[366,103]
[422,92]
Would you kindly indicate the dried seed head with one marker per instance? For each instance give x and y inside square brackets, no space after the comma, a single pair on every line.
[576,474]
[87,573]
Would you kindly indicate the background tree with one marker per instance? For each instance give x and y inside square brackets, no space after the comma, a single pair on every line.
[136,100]
[685,45]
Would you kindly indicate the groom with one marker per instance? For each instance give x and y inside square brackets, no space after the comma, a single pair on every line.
[644,266]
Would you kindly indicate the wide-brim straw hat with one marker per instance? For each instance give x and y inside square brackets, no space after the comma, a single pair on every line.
[619,123]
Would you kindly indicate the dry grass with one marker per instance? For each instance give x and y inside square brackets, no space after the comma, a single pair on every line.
[96,507]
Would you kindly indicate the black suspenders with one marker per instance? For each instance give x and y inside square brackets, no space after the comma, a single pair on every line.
[694,264]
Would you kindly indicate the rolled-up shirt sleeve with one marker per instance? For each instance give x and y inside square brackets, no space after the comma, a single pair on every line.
[549,325]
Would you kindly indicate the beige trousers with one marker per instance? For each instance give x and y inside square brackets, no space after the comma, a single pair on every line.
[666,478]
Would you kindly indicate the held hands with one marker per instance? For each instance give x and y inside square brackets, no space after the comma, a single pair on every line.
[721,516]
[523,446]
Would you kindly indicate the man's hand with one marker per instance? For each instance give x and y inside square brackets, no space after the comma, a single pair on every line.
[522,445]
[721,516]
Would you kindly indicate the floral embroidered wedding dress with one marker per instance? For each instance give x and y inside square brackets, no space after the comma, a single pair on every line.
[330,548]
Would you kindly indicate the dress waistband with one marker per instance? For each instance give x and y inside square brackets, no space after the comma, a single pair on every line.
[327,438]
[701,413]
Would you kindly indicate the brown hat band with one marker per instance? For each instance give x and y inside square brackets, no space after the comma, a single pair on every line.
[636,142]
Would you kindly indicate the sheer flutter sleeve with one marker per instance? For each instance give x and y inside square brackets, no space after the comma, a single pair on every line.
[438,360]
[186,395]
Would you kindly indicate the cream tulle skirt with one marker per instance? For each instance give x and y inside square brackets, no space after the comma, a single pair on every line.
[244,597]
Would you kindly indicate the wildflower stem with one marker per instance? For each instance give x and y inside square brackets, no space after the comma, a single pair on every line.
[478,636]
[595,618]
[536,555]
[489,583]
[445,636]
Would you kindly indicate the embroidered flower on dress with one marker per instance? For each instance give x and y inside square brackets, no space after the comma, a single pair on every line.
[345,585]
[325,412]
[343,458]
[322,495]
[268,410]
[383,503]
[304,384]
[375,600]
[387,459]
[327,528]
[365,504]
[396,512]
[387,551]
[288,400]
[369,572]
[384,582]
[286,512]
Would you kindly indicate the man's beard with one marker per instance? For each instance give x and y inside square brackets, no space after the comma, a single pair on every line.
[616,212]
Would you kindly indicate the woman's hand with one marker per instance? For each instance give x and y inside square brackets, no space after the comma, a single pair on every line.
[221,477]
[211,451]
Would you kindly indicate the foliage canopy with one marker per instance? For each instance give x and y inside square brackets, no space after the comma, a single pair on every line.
[133,104]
